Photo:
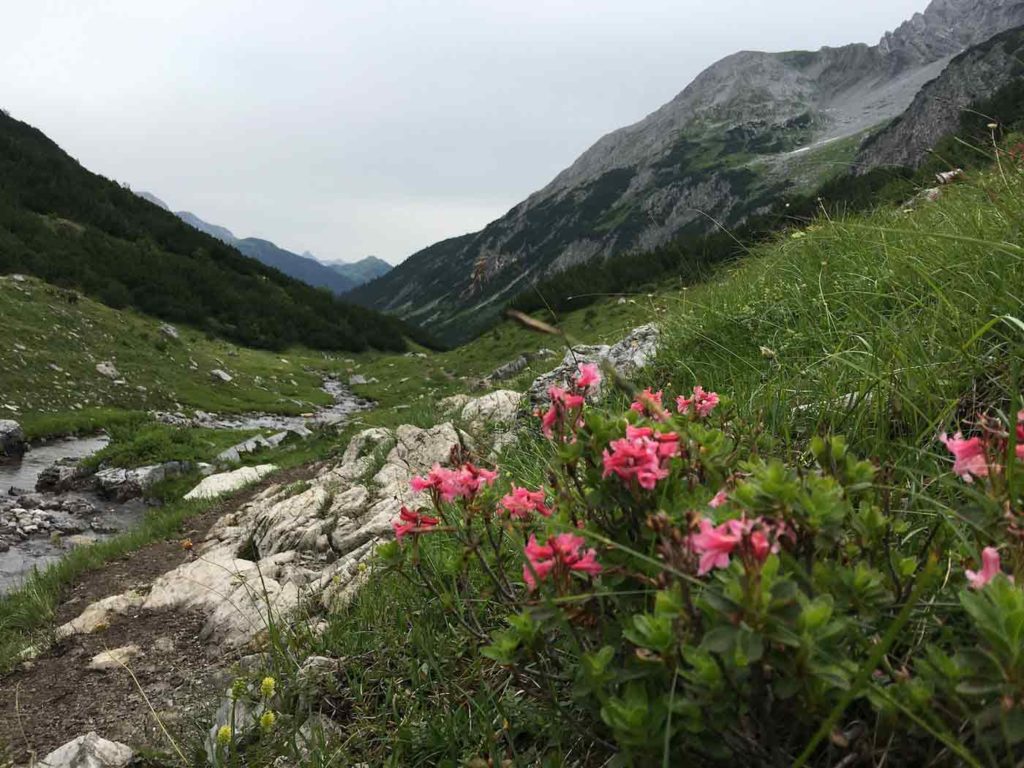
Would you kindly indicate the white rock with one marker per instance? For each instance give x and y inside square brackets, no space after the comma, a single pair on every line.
[115,658]
[495,408]
[219,375]
[169,331]
[217,485]
[89,751]
[107,369]
[99,614]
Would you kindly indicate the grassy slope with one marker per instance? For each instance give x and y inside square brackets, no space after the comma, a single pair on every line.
[916,313]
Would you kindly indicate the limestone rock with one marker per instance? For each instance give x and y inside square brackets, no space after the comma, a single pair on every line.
[99,614]
[123,484]
[169,331]
[115,658]
[219,375]
[107,369]
[12,439]
[217,485]
[626,357]
[89,751]
[494,408]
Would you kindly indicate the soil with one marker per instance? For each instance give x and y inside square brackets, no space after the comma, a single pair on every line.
[55,698]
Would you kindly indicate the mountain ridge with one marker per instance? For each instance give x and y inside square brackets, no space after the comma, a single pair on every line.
[748,129]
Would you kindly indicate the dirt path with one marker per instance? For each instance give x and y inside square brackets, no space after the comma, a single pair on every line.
[56,697]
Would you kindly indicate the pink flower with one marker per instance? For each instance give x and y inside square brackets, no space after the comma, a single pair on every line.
[561,554]
[521,503]
[649,404]
[720,498]
[1020,436]
[643,454]
[703,403]
[714,545]
[589,376]
[450,484]
[412,522]
[565,410]
[969,454]
[990,568]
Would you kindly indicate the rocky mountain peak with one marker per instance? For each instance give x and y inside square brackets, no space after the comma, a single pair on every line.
[946,27]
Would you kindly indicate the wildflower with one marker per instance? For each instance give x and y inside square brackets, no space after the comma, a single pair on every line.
[565,411]
[719,499]
[562,554]
[520,503]
[648,404]
[267,720]
[224,735]
[990,568]
[969,454]
[643,454]
[1020,436]
[450,484]
[267,687]
[412,522]
[714,545]
[238,688]
[702,403]
[589,376]
[186,544]
[434,481]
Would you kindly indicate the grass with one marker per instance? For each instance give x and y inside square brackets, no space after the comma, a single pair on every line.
[887,328]
[140,442]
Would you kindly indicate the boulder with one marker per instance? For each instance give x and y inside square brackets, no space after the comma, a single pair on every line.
[510,369]
[223,376]
[123,484]
[97,615]
[225,482]
[89,751]
[170,331]
[59,477]
[107,369]
[356,380]
[12,439]
[235,452]
[626,358]
[495,408]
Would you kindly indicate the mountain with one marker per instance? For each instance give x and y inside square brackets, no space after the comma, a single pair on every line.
[747,130]
[305,267]
[76,229]
[364,270]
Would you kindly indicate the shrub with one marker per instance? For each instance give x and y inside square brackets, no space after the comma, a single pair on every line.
[671,595]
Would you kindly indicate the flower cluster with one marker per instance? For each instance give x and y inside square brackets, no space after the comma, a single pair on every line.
[521,503]
[648,404]
[561,555]
[978,456]
[755,539]
[642,454]
[412,522]
[464,482]
[701,403]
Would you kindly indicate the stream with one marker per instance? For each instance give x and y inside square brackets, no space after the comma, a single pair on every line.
[37,529]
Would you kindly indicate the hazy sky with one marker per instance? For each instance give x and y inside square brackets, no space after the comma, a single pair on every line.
[380,126]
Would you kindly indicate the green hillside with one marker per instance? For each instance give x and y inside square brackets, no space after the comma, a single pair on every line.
[73,228]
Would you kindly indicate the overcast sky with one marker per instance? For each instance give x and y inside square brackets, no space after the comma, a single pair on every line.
[373,127]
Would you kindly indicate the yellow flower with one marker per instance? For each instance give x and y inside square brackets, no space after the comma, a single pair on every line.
[238,689]
[267,720]
[224,735]
[267,687]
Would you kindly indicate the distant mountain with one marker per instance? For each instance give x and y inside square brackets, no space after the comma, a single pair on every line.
[364,270]
[304,268]
[750,129]
[154,200]
[76,229]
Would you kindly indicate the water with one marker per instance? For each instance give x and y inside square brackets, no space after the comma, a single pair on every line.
[23,474]
[18,561]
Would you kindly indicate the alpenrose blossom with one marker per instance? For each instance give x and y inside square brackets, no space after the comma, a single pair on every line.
[450,484]
[990,568]
[589,376]
[702,403]
[566,410]
[716,544]
[648,404]
[560,555]
[520,504]
[642,455]
[412,522]
[969,456]
[719,499]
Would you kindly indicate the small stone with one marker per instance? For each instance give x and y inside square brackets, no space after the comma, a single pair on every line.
[115,658]
[107,369]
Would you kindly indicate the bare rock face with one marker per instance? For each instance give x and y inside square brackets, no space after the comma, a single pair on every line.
[89,751]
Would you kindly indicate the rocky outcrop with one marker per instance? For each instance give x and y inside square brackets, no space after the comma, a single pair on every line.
[217,485]
[89,751]
[935,112]
[124,484]
[12,439]
[625,358]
